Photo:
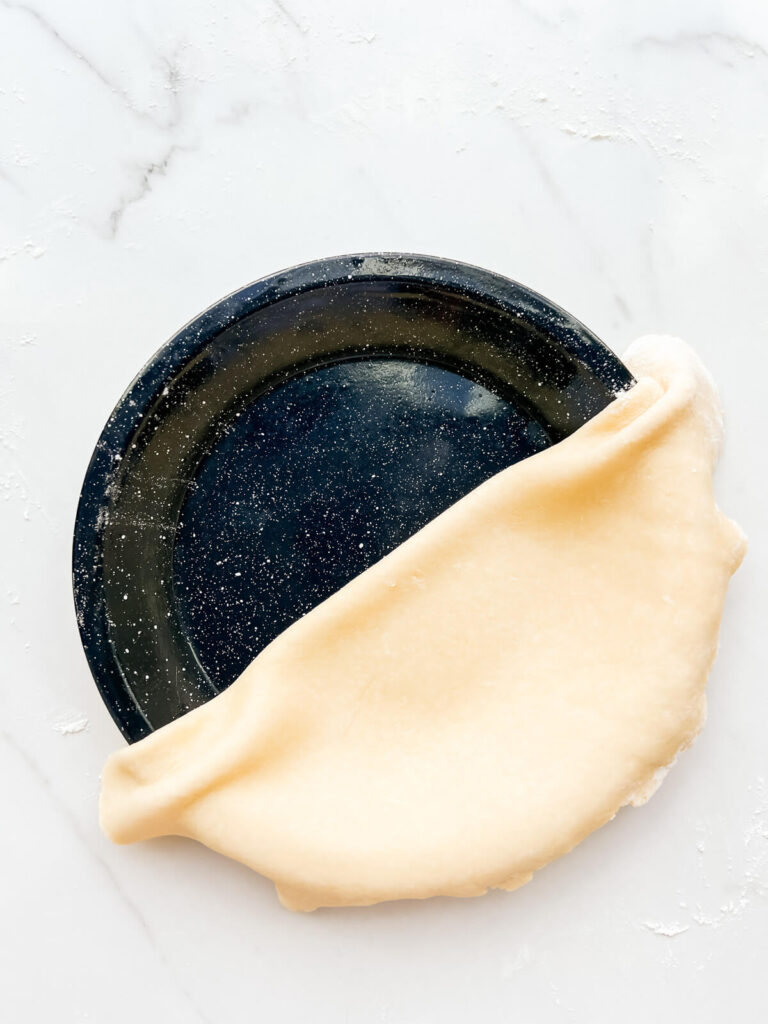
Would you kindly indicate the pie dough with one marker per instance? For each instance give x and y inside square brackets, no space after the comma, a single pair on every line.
[488,694]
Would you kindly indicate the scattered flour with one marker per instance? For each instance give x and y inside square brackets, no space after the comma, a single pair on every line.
[750,882]
[670,930]
[70,725]
[516,963]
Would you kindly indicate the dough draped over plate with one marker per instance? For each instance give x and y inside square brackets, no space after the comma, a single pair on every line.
[483,698]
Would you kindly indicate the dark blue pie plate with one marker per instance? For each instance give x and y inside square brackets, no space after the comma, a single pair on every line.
[292,435]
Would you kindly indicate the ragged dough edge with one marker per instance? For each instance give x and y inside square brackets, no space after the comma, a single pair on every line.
[651,356]
[295,898]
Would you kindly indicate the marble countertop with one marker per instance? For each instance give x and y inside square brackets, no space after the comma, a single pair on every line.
[155,156]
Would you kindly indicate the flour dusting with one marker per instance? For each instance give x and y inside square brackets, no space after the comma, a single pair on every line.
[70,726]
[669,930]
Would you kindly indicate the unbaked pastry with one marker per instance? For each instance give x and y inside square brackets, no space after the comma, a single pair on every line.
[488,694]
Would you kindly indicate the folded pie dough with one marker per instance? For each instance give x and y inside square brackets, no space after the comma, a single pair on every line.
[488,694]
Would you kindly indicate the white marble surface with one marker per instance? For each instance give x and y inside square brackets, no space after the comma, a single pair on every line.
[156,154]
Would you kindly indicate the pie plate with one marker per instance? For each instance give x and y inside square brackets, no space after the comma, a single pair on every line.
[289,437]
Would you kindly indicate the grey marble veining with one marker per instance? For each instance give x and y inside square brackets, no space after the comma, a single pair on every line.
[156,156]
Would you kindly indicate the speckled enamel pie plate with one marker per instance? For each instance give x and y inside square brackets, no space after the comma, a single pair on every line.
[292,435]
